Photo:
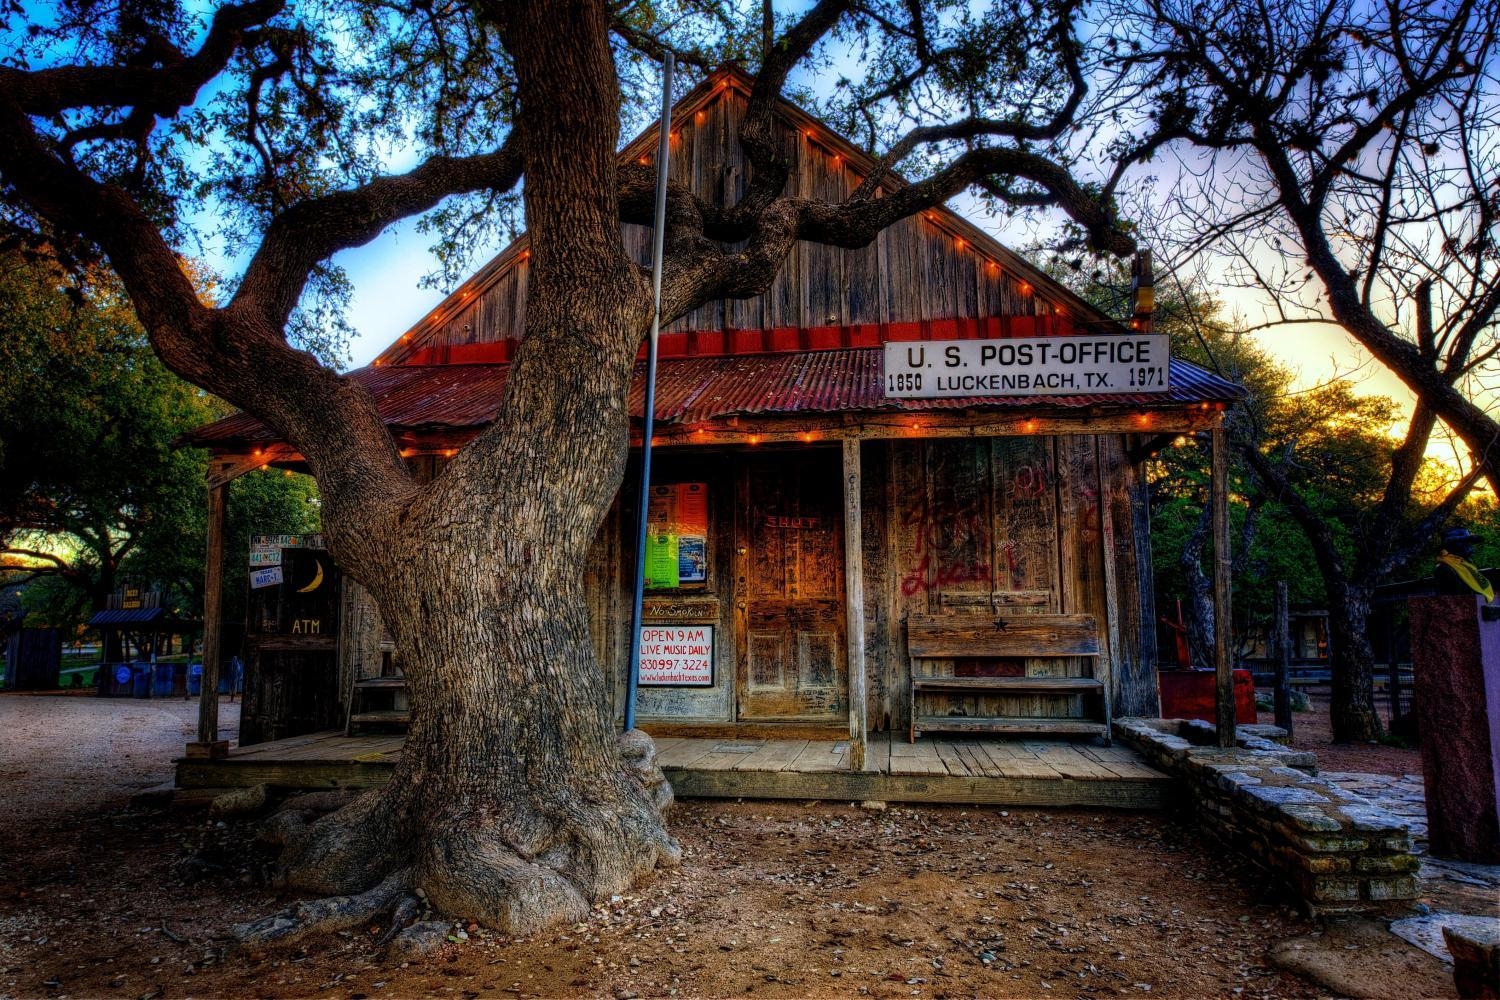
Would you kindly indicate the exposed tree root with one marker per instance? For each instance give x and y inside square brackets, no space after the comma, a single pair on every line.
[240,802]
[405,912]
[290,821]
[423,939]
[325,801]
[514,860]
[335,913]
[344,852]
[638,751]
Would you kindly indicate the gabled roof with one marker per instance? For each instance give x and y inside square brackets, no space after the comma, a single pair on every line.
[489,307]
[156,618]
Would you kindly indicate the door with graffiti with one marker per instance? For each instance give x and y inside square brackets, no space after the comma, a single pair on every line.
[789,575]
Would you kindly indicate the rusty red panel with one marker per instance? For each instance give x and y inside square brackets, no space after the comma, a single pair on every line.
[699,389]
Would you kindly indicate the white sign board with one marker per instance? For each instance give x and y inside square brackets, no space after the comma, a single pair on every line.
[314,541]
[677,655]
[1027,366]
[268,577]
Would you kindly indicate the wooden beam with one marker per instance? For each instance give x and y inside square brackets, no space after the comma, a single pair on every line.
[1104,667]
[947,636]
[213,585]
[1223,663]
[224,469]
[1144,699]
[812,428]
[854,605]
[806,429]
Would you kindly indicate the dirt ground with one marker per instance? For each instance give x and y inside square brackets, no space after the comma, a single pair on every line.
[1311,731]
[774,899]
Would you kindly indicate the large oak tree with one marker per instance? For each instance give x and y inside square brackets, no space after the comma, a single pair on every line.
[514,802]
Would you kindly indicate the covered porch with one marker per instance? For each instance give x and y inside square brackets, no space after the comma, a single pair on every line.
[959,770]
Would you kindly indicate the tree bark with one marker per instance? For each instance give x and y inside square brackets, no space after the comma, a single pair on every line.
[514,802]
[1352,659]
[1200,605]
[1352,663]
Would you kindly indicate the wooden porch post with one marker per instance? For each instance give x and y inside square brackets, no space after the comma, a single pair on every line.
[854,605]
[209,743]
[1223,663]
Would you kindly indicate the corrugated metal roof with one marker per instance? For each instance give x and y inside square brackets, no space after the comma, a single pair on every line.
[157,617]
[697,390]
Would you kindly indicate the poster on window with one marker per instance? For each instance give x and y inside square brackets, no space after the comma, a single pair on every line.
[677,543]
[677,655]
[692,559]
[661,561]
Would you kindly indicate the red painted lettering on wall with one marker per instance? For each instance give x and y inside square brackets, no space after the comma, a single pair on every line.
[925,576]
[1029,483]
[948,534]
[795,523]
[953,538]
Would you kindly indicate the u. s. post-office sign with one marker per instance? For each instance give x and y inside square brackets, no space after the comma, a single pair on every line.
[1027,366]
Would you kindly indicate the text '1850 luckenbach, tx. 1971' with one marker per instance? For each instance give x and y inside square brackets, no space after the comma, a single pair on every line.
[1027,366]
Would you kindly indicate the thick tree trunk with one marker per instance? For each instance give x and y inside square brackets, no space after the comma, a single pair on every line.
[1352,663]
[515,802]
[512,803]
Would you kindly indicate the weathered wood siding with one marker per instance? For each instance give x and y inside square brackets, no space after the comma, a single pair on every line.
[1002,525]
[976,527]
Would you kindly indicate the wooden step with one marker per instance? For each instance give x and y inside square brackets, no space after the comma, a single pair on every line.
[1009,685]
[397,716]
[1007,724]
[381,683]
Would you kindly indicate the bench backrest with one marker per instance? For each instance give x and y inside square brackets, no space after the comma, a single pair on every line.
[947,636]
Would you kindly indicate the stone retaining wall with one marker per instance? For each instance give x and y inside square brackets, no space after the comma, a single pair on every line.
[1338,852]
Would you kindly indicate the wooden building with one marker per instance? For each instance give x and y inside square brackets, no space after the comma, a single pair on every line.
[825,559]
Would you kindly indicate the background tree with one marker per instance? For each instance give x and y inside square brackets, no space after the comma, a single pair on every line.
[1344,482]
[93,488]
[1481,515]
[512,802]
[1336,157]
[1366,504]
[88,417]
[1317,481]
[1265,546]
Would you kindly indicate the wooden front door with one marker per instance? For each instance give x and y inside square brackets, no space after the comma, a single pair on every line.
[789,571]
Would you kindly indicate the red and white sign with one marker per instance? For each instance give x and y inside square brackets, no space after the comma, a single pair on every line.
[677,655]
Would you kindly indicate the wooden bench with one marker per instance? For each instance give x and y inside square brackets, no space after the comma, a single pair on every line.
[947,637]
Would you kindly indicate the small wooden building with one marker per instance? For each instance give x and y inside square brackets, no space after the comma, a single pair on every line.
[825,559]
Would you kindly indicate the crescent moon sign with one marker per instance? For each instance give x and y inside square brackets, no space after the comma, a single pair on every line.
[317,580]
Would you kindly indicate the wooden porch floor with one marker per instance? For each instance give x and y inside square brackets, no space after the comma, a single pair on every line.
[953,770]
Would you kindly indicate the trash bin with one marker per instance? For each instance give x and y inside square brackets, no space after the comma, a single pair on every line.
[117,680]
[142,683]
[195,680]
[161,680]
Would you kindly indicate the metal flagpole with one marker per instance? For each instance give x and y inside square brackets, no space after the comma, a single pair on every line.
[663,153]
